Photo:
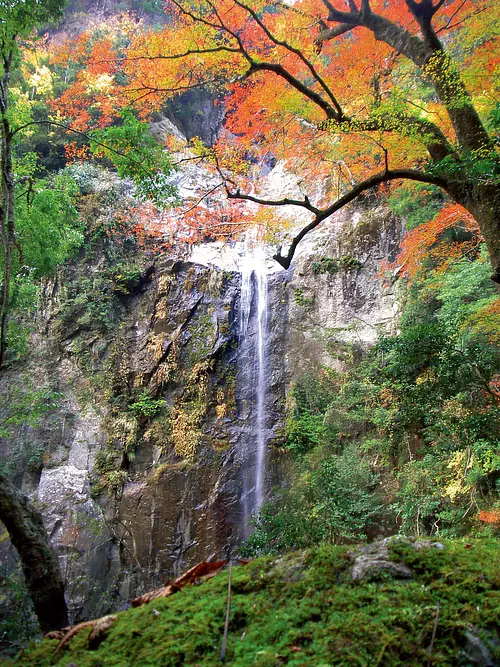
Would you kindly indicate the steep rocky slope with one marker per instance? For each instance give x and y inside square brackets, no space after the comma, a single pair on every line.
[138,465]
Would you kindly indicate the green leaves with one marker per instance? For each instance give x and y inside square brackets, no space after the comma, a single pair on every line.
[146,405]
[138,156]
[416,203]
[49,229]
[18,18]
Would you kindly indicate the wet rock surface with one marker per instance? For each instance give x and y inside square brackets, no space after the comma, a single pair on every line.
[129,498]
[479,647]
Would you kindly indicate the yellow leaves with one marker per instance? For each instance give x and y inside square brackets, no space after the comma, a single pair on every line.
[125,429]
[486,321]
[221,410]
[42,81]
[428,376]
[221,406]
[185,429]
[459,465]
[20,110]
[102,83]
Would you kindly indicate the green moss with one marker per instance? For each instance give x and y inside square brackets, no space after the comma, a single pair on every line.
[325,265]
[332,266]
[302,300]
[203,333]
[126,277]
[303,610]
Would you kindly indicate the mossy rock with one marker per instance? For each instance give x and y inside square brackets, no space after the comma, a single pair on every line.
[305,610]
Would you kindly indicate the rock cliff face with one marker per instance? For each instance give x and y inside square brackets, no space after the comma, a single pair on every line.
[336,295]
[138,465]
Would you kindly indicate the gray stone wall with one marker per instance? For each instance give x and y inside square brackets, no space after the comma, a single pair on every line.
[130,500]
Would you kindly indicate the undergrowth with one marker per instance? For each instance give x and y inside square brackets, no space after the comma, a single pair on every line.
[303,609]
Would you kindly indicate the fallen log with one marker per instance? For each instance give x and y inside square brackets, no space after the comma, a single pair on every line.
[99,629]
[201,571]
[100,626]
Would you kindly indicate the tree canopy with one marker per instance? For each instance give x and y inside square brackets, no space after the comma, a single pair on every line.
[351,95]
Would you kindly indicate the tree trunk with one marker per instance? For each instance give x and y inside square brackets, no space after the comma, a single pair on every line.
[483,202]
[8,236]
[40,566]
[7,185]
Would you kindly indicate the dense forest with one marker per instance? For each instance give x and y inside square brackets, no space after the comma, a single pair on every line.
[249,311]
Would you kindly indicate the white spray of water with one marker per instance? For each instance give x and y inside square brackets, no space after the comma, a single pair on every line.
[253,332]
[261,434]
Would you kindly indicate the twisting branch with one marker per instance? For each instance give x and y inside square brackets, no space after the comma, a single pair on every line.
[303,203]
[332,110]
[322,214]
[382,28]
[352,17]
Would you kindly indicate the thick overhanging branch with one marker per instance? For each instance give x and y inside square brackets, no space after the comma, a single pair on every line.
[427,53]
[331,33]
[383,29]
[404,124]
[322,214]
[279,70]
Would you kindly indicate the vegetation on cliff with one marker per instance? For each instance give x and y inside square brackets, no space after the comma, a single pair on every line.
[406,436]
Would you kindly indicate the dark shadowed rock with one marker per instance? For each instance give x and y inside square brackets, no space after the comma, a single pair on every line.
[478,648]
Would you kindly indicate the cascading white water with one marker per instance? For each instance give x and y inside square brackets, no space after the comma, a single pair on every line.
[253,374]
[261,437]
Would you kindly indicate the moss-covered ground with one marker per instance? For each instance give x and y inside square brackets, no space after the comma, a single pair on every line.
[303,609]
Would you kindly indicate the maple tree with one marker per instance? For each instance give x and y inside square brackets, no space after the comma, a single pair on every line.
[426,242]
[350,94]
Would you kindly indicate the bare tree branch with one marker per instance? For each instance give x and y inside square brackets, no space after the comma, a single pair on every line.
[174,56]
[207,194]
[304,203]
[322,214]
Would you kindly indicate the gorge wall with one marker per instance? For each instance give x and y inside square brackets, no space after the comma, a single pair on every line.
[139,463]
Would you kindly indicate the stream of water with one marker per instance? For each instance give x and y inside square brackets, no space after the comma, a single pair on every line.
[253,332]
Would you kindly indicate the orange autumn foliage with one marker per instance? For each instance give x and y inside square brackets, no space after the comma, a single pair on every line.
[221,46]
[489,516]
[423,243]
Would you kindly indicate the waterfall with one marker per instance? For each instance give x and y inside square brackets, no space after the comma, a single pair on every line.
[253,337]
[260,425]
